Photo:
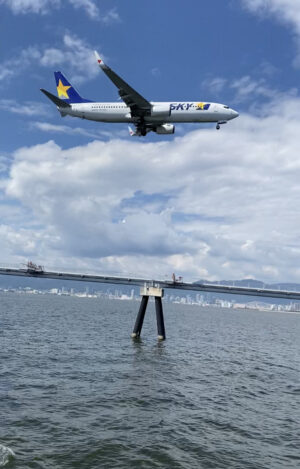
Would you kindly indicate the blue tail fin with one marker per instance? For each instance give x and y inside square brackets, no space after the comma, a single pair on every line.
[66,91]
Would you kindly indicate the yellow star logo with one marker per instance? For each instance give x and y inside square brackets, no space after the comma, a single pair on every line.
[201,105]
[62,90]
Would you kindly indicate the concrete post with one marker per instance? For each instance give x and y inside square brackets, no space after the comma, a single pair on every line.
[157,293]
[160,319]
[140,318]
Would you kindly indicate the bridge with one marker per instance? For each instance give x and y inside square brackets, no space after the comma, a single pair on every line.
[153,288]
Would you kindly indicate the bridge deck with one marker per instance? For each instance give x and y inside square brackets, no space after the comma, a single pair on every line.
[203,287]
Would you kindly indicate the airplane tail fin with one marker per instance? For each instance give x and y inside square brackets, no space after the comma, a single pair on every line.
[66,91]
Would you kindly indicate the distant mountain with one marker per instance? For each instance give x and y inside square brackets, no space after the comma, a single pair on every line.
[250,283]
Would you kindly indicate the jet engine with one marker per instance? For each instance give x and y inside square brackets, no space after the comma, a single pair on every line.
[165,129]
[161,110]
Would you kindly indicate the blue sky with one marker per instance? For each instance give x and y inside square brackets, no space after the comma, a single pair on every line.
[165,50]
[206,204]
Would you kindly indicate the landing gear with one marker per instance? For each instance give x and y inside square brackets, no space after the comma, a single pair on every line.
[141,128]
[219,124]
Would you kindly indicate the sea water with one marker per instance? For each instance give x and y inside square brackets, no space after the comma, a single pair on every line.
[223,391]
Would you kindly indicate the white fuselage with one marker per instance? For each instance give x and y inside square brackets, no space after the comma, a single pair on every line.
[188,111]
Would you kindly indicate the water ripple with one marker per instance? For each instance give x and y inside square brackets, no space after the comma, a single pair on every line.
[76,392]
[6,455]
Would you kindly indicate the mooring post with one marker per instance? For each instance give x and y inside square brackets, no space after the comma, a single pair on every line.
[140,317]
[157,293]
[160,319]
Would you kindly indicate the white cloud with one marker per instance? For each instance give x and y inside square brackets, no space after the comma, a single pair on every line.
[268,69]
[44,6]
[249,89]
[215,85]
[4,166]
[73,53]
[88,5]
[11,67]
[100,133]
[112,16]
[286,12]
[28,108]
[64,129]
[30,6]
[247,86]
[209,204]
[155,72]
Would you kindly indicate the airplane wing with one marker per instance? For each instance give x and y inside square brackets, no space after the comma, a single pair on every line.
[139,106]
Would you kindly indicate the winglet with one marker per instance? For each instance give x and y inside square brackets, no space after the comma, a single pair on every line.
[99,59]
[132,133]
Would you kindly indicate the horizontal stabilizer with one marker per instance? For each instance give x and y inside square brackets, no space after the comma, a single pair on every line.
[59,102]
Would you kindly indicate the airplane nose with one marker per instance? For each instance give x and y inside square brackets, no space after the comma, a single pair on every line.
[234,114]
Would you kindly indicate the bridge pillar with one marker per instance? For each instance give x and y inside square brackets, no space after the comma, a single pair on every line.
[160,319]
[158,294]
[140,318]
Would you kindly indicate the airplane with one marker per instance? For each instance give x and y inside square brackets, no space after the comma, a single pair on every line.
[147,116]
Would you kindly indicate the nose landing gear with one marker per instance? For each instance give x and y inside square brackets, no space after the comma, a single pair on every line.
[218,126]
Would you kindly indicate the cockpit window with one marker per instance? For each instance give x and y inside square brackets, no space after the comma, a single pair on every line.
[226,107]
